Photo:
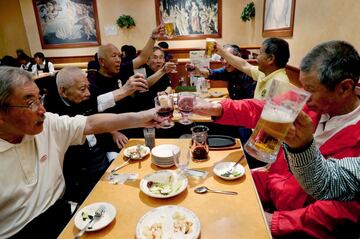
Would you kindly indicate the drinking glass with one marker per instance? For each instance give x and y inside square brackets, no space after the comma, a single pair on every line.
[199,142]
[210,47]
[182,163]
[169,25]
[185,102]
[282,105]
[142,71]
[165,105]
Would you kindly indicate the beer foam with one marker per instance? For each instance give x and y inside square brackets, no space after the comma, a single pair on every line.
[277,115]
[164,101]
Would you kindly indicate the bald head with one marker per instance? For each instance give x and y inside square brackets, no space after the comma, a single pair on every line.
[73,85]
[109,60]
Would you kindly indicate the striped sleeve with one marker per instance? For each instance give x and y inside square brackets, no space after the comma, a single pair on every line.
[325,178]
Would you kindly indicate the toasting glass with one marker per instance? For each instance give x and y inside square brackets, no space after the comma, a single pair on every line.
[186,101]
[165,105]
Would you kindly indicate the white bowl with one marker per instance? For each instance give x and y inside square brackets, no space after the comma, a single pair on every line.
[223,167]
[163,154]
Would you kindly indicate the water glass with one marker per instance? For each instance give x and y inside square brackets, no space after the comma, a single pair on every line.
[149,136]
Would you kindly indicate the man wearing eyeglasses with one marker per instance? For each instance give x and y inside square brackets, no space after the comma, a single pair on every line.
[32,147]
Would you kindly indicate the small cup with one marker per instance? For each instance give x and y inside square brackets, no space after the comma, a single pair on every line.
[149,135]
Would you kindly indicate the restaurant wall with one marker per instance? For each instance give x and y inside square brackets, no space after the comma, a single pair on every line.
[314,23]
[12,30]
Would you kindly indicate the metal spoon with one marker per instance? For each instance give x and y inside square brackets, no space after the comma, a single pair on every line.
[203,189]
[120,166]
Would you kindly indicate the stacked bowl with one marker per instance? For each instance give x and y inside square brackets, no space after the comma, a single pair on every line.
[163,155]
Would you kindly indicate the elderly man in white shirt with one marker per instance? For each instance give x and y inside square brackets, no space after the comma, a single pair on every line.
[32,147]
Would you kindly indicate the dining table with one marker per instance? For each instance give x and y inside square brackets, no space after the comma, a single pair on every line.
[220,216]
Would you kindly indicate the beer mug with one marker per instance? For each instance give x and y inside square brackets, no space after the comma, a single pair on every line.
[199,142]
[210,47]
[283,104]
[169,26]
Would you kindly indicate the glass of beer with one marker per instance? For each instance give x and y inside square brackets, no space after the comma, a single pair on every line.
[169,26]
[210,47]
[283,104]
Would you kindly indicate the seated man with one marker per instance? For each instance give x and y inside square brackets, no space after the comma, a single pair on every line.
[113,74]
[84,164]
[33,145]
[322,178]
[330,72]
[272,60]
[158,80]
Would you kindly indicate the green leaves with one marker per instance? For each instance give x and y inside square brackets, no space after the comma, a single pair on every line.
[248,12]
[125,21]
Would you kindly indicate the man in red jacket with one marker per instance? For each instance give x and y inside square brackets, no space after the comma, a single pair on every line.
[330,72]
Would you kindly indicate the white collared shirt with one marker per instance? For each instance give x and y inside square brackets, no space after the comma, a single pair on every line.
[328,127]
[31,178]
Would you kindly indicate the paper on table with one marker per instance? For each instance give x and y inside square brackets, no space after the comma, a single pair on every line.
[121,178]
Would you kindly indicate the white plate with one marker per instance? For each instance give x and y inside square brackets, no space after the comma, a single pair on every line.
[106,219]
[176,183]
[163,165]
[216,94]
[223,167]
[166,216]
[144,150]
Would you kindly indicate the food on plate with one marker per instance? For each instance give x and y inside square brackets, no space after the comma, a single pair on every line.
[231,174]
[164,188]
[181,224]
[178,225]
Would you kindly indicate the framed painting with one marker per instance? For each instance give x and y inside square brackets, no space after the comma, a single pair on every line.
[193,19]
[67,23]
[278,18]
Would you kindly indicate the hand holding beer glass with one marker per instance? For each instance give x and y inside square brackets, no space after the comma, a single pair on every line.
[169,25]
[283,104]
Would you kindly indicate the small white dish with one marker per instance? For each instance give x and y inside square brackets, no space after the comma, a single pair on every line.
[169,222]
[109,215]
[216,94]
[144,150]
[163,184]
[221,168]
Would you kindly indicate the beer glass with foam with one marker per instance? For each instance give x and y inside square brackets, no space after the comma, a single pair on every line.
[210,47]
[169,26]
[283,104]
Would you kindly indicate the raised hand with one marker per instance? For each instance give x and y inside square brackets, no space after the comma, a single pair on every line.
[158,32]
[136,82]
[301,133]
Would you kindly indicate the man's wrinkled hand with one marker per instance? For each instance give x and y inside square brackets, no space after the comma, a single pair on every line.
[301,133]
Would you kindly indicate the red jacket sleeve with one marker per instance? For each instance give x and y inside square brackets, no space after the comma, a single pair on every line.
[244,113]
[321,219]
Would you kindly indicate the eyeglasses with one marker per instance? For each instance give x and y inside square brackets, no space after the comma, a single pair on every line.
[33,105]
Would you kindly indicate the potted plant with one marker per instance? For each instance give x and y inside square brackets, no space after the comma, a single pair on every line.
[248,12]
[125,21]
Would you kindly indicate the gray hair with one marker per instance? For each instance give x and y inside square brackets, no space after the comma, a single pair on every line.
[10,78]
[333,61]
[102,50]
[235,49]
[66,76]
